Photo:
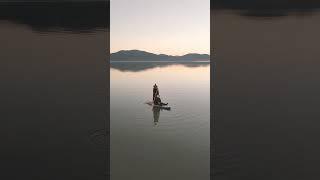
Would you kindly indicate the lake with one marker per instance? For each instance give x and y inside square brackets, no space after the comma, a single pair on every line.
[53,90]
[54,93]
[266,93]
[147,143]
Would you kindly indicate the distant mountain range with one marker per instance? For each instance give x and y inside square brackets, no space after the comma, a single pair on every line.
[137,55]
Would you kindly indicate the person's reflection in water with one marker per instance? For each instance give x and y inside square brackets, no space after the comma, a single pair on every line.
[156,115]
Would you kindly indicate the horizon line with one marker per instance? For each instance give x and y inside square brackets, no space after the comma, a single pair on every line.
[157,53]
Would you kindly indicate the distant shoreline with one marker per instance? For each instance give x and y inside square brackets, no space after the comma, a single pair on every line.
[138,55]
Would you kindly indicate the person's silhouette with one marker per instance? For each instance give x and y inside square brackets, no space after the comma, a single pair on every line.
[155,92]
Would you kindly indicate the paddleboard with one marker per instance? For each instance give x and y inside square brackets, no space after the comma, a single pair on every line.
[150,103]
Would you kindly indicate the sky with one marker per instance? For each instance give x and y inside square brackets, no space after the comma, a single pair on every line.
[173,27]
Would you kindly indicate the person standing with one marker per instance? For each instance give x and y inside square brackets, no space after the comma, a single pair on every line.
[155,92]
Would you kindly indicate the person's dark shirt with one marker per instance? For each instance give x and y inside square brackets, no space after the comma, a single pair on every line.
[155,92]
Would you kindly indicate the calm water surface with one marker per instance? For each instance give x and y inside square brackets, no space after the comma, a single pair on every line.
[266,94]
[160,144]
[53,91]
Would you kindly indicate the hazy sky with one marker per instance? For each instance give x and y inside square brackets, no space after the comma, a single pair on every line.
[173,27]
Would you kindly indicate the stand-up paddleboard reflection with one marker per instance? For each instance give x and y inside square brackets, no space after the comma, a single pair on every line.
[156,115]
[156,111]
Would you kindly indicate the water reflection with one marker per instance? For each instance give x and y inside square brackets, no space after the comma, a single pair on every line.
[156,115]
[266,89]
[141,66]
[180,135]
[54,88]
